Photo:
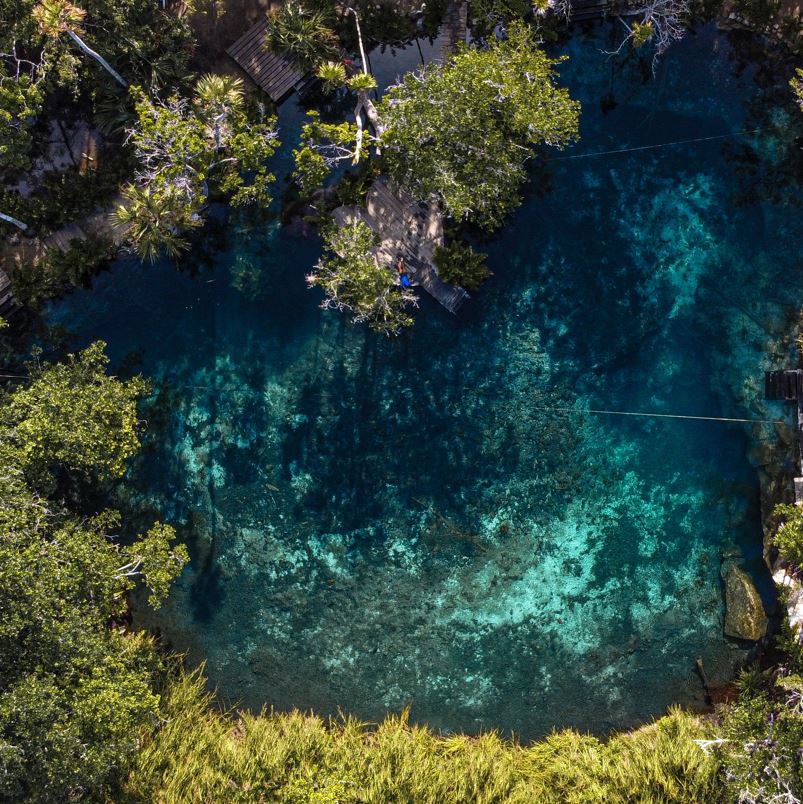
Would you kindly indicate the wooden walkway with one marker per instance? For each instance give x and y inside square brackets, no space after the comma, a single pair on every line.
[276,74]
[8,303]
[409,230]
[786,385]
[455,27]
[582,10]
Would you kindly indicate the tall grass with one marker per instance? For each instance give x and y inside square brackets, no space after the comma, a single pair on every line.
[200,755]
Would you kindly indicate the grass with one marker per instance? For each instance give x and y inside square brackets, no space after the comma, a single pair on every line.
[199,754]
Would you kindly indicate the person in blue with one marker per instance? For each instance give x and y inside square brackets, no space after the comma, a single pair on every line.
[404,277]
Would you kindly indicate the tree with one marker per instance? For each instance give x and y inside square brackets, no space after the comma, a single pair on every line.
[458,264]
[75,693]
[658,21]
[354,281]
[74,416]
[154,219]
[56,17]
[182,145]
[21,99]
[305,35]
[460,132]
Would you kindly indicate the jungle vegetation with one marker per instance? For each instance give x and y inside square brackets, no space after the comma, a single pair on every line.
[91,710]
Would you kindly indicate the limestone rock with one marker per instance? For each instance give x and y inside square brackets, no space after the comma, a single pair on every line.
[745,617]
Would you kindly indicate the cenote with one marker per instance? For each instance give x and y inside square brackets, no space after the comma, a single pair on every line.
[433,521]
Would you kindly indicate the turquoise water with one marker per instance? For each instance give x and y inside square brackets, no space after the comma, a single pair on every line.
[375,524]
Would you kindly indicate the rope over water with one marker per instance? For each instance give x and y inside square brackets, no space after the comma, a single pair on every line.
[657,145]
[662,415]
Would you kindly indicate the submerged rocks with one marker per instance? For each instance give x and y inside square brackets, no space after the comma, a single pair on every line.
[745,617]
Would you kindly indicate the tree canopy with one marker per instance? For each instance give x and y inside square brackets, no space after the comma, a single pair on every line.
[75,694]
[184,145]
[354,281]
[463,132]
[459,132]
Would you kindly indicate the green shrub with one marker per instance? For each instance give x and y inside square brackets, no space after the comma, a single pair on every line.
[458,264]
[789,536]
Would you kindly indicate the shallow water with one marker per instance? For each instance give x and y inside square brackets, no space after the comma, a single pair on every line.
[375,524]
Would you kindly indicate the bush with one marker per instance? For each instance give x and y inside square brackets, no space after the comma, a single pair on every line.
[789,536]
[458,264]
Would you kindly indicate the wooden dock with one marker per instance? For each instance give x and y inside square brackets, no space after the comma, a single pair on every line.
[408,230]
[278,75]
[582,10]
[786,385]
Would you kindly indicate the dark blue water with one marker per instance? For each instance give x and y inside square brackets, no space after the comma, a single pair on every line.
[422,521]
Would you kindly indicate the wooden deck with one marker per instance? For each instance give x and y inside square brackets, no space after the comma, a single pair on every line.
[8,303]
[582,10]
[277,75]
[786,385]
[407,229]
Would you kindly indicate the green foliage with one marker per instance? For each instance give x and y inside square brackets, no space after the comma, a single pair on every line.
[361,82]
[354,281]
[74,416]
[185,146]
[487,14]
[199,755]
[75,694]
[154,219]
[763,733]
[20,102]
[305,35]
[322,146]
[789,536]
[463,131]
[458,264]
[797,86]
[642,33]
[333,75]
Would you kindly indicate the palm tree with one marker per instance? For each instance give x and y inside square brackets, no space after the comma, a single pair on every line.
[217,97]
[220,93]
[155,220]
[305,35]
[56,17]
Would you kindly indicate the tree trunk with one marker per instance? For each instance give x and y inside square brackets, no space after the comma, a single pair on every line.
[98,58]
[17,223]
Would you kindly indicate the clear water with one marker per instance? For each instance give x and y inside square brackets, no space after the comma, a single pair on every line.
[376,524]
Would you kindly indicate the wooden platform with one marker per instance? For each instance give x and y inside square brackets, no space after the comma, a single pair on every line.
[786,385]
[277,75]
[8,303]
[407,229]
[582,10]
[62,239]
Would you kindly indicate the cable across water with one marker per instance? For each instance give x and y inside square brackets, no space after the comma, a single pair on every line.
[661,415]
[657,145]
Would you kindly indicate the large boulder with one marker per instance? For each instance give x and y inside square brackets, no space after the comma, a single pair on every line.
[745,617]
